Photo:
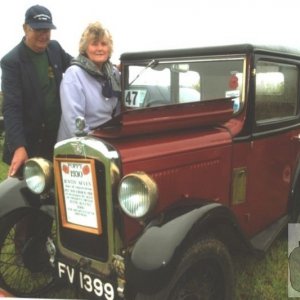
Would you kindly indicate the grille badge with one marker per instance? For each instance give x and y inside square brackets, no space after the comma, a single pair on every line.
[78,148]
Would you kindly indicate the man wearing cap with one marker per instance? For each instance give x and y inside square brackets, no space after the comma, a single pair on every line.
[31,75]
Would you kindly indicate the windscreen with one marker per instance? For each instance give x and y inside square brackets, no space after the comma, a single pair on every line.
[163,82]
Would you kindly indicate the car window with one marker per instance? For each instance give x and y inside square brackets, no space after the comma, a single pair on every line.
[167,83]
[276,91]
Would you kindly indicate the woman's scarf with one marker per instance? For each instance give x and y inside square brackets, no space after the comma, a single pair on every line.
[110,84]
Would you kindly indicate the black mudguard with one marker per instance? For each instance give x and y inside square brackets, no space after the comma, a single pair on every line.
[14,194]
[157,252]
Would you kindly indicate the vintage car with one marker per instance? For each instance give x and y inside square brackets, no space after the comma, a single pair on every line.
[202,163]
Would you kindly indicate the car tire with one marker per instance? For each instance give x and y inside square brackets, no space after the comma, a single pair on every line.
[25,269]
[204,272]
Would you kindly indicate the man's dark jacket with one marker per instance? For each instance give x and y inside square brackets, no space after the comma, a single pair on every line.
[23,99]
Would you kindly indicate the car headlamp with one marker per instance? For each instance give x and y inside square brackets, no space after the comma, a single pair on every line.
[38,174]
[137,194]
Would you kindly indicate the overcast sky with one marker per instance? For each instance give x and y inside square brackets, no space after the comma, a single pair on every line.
[160,24]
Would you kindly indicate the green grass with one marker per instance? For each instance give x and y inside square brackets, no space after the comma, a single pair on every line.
[263,278]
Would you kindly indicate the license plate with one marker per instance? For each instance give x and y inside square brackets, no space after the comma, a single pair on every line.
[86,282]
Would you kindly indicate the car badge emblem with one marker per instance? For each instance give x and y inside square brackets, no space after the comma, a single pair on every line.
[78,148]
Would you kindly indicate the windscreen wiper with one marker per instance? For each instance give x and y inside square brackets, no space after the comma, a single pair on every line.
[153,63]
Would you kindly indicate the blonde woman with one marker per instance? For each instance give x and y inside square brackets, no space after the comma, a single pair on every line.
[91,85]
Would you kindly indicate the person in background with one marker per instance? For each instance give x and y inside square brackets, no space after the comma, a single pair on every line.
[91,85]
[31,76]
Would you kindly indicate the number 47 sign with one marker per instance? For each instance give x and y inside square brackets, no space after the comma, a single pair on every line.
[135,98]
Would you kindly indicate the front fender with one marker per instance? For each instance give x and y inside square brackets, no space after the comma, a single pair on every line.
[155,255]
[15,194]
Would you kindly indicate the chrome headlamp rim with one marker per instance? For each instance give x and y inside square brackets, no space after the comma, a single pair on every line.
[38,174]
[140,203]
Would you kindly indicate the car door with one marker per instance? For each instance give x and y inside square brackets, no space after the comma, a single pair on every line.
[273,149]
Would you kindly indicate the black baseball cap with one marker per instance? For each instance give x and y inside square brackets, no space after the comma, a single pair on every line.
[39,17]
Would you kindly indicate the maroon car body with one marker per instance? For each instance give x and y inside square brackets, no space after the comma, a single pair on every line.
[224,165]
[203,161]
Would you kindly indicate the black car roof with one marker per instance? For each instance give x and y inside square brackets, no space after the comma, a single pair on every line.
[213,50]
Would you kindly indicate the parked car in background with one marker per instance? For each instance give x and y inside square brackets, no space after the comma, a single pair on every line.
[203,162]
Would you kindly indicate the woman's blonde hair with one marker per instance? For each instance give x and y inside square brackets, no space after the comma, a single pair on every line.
[95,32]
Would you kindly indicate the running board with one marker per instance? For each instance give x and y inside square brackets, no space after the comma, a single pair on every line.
[264,239]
